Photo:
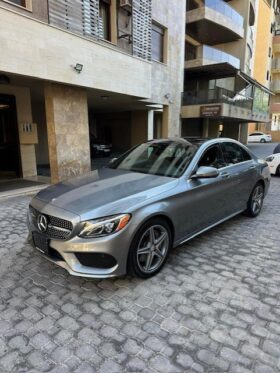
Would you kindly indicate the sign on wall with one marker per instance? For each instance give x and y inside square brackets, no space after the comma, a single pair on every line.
[211,111]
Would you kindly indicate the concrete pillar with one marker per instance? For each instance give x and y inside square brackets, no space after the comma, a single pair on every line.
[205,129]
[243,133]
[165,122]
[150,125]
[139,127]
[68,132]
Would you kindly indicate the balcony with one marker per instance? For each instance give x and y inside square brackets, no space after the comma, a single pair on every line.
[237,106]
[209,59]
[214,22]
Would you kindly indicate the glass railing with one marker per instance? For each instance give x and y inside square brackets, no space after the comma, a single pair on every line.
[215,96]
[217,56]
[223,8]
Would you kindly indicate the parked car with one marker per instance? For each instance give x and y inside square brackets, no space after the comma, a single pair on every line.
[158,195]
[100,147]
[259,137]
[274,163]
[276,149]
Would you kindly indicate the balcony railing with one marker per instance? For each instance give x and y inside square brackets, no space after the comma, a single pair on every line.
[214,55]
[216,95]
[221,7]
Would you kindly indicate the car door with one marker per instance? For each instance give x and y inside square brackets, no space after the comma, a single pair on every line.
[203,201]
[241,169]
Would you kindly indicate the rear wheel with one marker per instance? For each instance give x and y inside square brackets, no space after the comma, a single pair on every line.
[278,170]
[149,250]
[255,202]
[263,140]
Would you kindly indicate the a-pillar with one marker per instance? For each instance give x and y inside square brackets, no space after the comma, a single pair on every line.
[68,132]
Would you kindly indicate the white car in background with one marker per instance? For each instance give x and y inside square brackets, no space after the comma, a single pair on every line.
[273,162]
[259,137]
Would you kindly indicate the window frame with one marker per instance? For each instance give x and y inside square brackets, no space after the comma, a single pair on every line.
[164,44]
[27,6]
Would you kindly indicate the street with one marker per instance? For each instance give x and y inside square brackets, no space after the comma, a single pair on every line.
[214,307]
[262,150]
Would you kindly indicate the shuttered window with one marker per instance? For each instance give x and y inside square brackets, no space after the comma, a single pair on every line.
[158,33]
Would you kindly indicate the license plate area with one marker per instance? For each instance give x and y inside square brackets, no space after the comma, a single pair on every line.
[41,243]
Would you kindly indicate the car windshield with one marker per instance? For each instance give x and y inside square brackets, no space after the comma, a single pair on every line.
[166,158]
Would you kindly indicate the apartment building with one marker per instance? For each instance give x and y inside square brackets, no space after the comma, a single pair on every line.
[275,75]
[74,69]
[221,96]
[263,70]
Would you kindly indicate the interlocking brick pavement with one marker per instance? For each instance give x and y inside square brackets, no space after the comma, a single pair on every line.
[214,308]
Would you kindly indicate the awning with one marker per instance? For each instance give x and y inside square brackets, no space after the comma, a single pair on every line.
[253,81]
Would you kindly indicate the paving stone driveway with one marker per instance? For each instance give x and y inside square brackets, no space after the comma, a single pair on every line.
[214,308]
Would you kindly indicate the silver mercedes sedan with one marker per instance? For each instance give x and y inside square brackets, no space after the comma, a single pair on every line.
[126,217]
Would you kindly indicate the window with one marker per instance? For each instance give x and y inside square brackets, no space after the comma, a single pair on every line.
[267,75]
[234,153]
[23,3]
[158,43]
[213,157]
[19,2]
[269,52]
[104,19]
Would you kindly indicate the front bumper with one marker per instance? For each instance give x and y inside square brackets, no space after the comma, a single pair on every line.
[65,253]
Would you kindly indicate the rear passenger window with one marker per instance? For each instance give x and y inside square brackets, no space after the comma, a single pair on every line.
[233,153]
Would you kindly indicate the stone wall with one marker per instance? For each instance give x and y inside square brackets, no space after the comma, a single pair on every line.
[68,132]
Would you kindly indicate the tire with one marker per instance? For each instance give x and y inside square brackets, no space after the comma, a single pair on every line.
[262,141]
[277,173]
[255,201]
[154,255]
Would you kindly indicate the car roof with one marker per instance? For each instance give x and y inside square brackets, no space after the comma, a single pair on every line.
[196,141]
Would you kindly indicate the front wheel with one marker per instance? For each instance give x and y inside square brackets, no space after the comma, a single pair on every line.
[255,202]
[149,249]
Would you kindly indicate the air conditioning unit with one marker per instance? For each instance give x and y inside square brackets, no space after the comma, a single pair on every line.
[126,4]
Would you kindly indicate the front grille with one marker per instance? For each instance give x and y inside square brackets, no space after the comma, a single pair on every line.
[57,228]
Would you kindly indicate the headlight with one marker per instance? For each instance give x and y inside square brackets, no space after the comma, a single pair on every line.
[104,226]
[269,159]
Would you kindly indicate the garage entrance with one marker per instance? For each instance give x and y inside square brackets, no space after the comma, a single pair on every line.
[10,164]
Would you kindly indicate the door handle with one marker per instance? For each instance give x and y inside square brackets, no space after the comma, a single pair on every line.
[225,175]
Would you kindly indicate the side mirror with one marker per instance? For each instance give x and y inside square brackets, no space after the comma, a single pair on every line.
[205,173]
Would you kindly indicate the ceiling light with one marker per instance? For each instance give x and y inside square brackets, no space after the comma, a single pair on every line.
[78,67]
[104,97]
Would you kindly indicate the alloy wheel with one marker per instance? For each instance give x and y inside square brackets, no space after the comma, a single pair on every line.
[257,199]
[152,248]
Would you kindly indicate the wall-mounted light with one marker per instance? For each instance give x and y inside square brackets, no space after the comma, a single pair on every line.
[78,67]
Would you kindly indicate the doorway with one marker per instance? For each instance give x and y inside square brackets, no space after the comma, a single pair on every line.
[10,165]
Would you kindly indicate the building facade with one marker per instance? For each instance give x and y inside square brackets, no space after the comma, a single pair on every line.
[75,69]
[264,61]
[275,75]
[221,96]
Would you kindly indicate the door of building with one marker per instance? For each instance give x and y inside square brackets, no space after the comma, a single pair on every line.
[10,165]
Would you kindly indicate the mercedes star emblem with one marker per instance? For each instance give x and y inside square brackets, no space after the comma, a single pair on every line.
[42,223]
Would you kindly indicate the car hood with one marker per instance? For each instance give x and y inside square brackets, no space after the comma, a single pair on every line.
[105,192]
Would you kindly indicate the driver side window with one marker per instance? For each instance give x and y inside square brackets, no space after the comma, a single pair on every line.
[213,157]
